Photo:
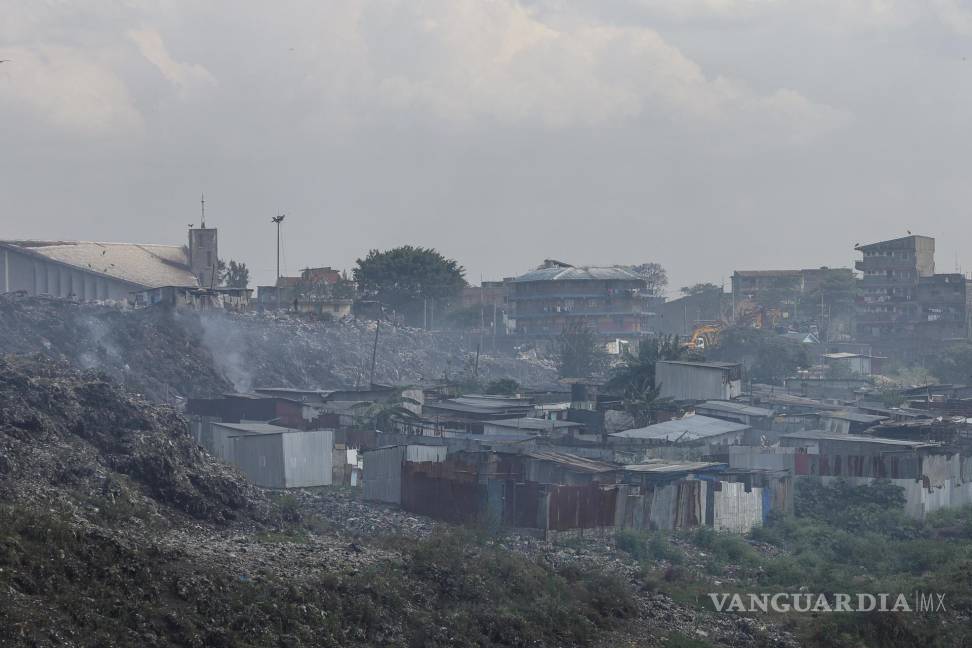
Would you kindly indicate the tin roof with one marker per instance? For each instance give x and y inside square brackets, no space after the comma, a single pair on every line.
[533,423]
[686,429]
[856,417]
[702,365]
[663,466]
[821,435]
[734,407]
[581,464]
[571,273]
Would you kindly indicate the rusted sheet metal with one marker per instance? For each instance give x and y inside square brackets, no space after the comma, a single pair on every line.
[581,507]
[443,490]
[892,466]
[522,505]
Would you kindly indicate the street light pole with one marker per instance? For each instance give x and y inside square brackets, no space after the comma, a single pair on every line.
[278,219]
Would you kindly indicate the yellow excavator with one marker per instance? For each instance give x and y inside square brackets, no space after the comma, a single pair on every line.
[704,336]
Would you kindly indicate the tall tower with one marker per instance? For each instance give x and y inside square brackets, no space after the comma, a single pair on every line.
[203,250]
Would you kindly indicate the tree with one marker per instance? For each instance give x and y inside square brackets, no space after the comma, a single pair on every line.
[769,358]
[655,276]
[404,277]
[636,373]
[579,355]
[236,275]
[699,288]
[634,378]
[503,387]
[952,364]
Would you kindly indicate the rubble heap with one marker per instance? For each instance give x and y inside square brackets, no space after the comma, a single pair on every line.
[74,437]
[165,354]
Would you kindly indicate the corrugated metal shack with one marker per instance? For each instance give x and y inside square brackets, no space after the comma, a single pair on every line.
[554,492]
[273,456]
[708,435]
[698,381]
[932,475]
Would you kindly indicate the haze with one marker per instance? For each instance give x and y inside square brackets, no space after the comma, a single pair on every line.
[707,135]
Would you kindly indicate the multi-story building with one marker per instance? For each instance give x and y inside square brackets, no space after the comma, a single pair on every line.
[903,305]
[611,301]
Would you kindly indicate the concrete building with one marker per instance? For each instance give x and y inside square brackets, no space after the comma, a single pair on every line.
[698,381]
[681,316]
[90,271]
[905,306]
[187,297]
[781,286]
[321,291]
[611,301]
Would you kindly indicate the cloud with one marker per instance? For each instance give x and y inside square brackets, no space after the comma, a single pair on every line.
[186,77]
[953,16]
[69,88]
[467,62]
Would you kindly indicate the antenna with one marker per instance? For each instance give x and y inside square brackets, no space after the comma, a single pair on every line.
[202,204]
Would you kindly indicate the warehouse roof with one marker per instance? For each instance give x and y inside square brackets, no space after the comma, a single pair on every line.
[146,265]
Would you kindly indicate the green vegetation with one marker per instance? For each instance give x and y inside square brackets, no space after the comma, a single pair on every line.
[634,378]
[404,277]
[851,539]
[768,357]
[503,387]
[578,352]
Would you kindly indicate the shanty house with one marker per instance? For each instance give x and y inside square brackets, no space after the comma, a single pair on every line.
[553,429]
[932,475]
[755,417]
[273,456]
[698,381]
[692,430]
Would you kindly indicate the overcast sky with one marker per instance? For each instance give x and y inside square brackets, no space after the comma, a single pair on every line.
[707,135]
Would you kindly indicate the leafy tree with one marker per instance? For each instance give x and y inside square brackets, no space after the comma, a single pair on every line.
[636,373]
[699,288]
[655,276]
[470,317]
[236,275]
[953,364]
[769,358]
[405,276]
[503,386]
[634,378]
[579,355]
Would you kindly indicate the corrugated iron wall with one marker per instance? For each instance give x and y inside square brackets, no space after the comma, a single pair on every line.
[581,507]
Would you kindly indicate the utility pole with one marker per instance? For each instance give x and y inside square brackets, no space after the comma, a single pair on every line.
[374,349]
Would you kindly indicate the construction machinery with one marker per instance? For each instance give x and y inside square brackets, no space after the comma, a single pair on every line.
[704,336]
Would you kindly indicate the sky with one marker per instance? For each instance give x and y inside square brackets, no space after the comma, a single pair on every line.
[706,135]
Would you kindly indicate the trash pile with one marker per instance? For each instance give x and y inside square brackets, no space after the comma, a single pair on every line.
[76,439]
[169,355]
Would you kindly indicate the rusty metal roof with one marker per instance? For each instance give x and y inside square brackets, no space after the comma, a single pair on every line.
[581,464]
